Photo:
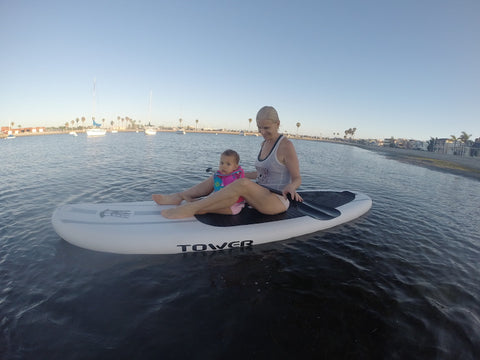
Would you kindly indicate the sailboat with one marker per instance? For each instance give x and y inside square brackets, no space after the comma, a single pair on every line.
[95,130]
[10,135]
[150,130]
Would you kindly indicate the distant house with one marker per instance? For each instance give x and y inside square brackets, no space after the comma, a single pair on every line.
[417,145]
[441,146]
[26,130]
[475,148]
[388,142]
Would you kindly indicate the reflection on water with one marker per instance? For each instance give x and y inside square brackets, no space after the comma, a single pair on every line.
[400,282]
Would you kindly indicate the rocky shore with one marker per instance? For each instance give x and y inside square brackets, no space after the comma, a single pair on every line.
[458,165]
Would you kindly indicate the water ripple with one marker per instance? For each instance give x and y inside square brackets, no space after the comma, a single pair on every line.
[400,282]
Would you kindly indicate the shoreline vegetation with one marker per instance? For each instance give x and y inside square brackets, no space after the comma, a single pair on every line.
[459,165]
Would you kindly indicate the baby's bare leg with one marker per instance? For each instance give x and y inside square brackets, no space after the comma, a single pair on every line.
[202,189]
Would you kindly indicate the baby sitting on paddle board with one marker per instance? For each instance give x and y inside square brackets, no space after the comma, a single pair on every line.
[228,171]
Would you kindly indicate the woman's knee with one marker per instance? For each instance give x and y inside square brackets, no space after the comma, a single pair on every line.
[242,185]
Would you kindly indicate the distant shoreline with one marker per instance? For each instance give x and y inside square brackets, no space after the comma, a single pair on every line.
[82,131]
[459,165]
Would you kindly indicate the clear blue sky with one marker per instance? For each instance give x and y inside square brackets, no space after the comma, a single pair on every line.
[406,68]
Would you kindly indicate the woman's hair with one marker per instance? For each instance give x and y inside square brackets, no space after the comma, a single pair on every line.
[268,113]
[230,152]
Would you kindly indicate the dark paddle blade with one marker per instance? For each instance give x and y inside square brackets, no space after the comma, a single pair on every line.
[315,211]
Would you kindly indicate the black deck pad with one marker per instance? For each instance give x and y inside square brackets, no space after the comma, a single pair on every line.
[249,215]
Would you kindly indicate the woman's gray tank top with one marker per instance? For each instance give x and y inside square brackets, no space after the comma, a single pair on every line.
[270,171]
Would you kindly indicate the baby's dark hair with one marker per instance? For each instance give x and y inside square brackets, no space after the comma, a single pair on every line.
[230,152]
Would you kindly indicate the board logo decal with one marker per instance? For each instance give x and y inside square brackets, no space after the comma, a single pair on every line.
[125,214]
[225,245]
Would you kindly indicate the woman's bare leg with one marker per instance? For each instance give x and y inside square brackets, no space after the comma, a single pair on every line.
[225,211]
[256,195]
[202,189]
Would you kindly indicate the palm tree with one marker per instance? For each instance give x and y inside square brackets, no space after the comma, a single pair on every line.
[180,121]
[196,125]
[66,125]
[298,125]
[455,139]
[72,122]
[431,144]
[83,121]
[249,122]
[465,137]
[111,123]
[77,120]
[103,122]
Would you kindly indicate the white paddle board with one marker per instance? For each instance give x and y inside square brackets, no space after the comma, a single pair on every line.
[139,228]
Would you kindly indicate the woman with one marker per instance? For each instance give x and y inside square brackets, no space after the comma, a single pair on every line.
[277,167]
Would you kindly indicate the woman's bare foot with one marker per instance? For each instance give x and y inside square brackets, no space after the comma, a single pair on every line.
[170,199]
[179,212]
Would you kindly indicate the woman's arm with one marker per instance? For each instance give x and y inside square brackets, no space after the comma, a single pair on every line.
[288,156]
[251,175]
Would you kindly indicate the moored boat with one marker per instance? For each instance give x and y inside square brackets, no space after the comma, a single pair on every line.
[96,132]
[150,131]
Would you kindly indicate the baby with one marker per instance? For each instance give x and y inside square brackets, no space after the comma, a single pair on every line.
[228,171]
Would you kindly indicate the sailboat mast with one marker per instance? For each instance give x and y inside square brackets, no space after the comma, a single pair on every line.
[93,100]
[150,108]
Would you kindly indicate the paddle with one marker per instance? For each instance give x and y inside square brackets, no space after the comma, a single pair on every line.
[315,211]
[318,212]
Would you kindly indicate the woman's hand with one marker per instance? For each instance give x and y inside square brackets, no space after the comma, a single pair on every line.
[292,190]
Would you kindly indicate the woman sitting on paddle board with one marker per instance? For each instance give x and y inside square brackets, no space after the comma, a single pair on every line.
[277,167]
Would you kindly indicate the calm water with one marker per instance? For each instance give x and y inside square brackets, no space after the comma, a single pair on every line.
[401,282]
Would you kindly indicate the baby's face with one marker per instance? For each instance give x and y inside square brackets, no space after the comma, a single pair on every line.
[227,164]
